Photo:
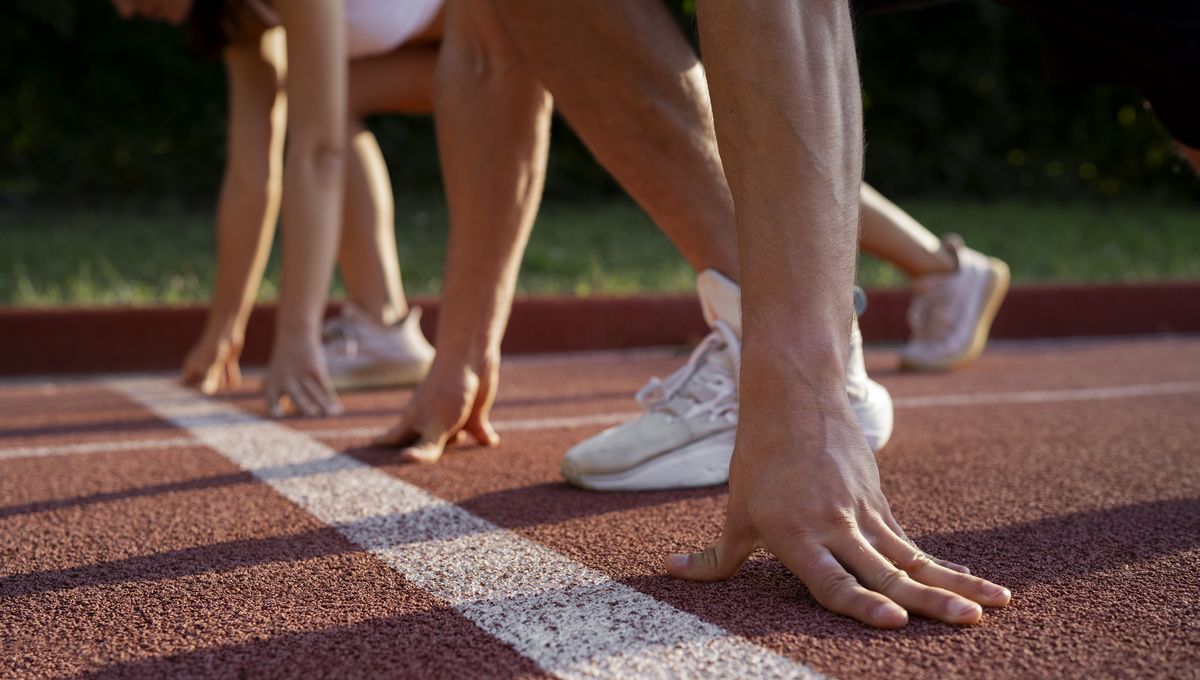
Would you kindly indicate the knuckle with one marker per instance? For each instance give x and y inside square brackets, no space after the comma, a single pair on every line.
[914,563]
[838,518]
[835,589]
[889,580]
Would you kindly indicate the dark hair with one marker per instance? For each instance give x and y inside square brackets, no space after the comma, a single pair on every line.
[210,26]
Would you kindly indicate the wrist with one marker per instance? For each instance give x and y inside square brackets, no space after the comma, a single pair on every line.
[224,327]
[468,340]
[476,352]
[302,319]
[806,360]
[290,330]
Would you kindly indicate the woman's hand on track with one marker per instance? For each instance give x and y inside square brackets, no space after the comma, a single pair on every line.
[454,401]
[212,364]
[297,375]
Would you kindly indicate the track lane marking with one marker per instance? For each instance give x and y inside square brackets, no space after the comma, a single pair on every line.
[96,447]
[1049,396]
[535,424]
[571,620]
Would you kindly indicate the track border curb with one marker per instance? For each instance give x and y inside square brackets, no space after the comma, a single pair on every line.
[76,340]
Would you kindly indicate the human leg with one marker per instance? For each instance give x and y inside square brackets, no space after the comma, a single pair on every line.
[367,254]
[631,86]
[891,234]
[644,111]
[400,81]
[376,342]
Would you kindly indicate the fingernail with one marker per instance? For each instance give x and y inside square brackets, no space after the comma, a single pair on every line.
[677,561]
[965,609]
[890,613]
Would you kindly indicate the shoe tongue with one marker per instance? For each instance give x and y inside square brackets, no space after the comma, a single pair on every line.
[695,388]
[720,299]
[356,315]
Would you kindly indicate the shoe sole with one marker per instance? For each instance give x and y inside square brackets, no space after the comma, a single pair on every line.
[706,462]
[997,288]
[376,377]
[876,415]
[701,463]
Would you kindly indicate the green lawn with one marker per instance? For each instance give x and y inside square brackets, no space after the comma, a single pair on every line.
[108,257]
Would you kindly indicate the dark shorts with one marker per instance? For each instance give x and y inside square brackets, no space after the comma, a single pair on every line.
[1153,45]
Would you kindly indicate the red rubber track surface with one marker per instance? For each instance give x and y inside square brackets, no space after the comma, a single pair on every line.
[165,559]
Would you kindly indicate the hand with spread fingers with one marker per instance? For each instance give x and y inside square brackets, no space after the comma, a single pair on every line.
[454,401]
[806,488]
[297,375]
[212,364]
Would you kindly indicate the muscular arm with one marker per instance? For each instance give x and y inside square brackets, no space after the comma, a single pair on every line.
[312,200]
[803,483]
[493,122]
[248,206]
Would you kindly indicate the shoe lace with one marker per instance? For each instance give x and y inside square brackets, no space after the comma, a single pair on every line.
[712,365]
[341,334]
[931,315]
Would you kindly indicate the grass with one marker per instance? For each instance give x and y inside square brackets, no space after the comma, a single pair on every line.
[78,257]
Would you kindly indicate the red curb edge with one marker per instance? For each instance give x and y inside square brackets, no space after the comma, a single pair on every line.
[109,340]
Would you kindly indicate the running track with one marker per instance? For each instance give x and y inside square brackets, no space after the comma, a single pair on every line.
[147,532]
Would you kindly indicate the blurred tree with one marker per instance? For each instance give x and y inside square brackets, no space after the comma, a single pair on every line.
[95,109]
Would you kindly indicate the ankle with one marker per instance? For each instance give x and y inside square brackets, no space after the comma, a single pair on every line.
[947,258]
[385,314]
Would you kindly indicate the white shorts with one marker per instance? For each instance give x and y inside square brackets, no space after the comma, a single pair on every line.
[372,26]
[380,26]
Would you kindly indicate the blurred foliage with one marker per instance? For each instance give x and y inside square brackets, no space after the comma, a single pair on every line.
[82,256]
[959,101]
[97,110]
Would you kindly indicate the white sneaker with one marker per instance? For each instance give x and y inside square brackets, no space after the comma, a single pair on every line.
[362,353]
[685,436]
[951,314]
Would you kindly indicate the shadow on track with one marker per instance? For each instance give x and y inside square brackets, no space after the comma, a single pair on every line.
[198,484]
[174,564]
[435,643]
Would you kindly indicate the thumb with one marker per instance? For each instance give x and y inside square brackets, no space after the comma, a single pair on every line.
[402,434]
[717,562]
[428,449]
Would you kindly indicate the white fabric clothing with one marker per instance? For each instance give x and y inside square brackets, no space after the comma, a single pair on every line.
[373,27]
[380,26]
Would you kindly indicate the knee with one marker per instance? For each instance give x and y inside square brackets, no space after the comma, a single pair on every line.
[477,43]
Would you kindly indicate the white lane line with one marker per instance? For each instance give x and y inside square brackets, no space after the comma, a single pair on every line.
[96,447]
[571,620]
[533,424]
[1048,396]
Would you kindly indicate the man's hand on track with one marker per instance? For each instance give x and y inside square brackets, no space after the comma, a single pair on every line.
[805,486]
